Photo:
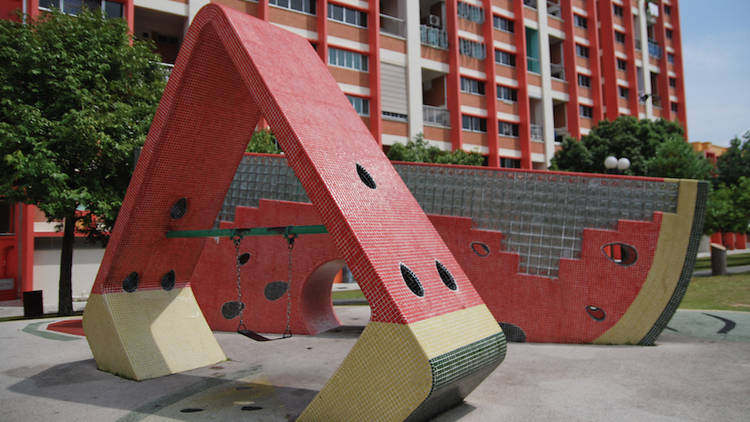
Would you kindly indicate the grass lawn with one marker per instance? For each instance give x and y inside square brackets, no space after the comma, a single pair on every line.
[727,292]
[348,295]
[732,261]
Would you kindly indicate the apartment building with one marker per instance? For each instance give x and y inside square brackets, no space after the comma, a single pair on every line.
[506,78]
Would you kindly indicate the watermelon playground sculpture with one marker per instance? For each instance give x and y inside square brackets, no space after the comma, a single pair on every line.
[431,339]
[557,257]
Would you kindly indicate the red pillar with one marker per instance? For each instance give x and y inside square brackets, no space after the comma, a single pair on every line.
[323,30]
[727,239]
[27,248]
[716,238]
[594,63]
[609,60]
[633,100]
[373,35]
[571,75]
[679,71]
[491,90]
[661,37]
[454,75]
[263,10]
[524,127]
[129,15]
[740,241]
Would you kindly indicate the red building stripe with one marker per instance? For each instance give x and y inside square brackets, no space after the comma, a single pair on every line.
[491,88]
[677,45]
[663,79]
[594,63]
[609,60]
[323,30]
[454,74]
[373,34]
[569,50]
[633,100]
[524,126]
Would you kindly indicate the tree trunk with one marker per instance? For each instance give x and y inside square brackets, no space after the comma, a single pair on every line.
[65,299]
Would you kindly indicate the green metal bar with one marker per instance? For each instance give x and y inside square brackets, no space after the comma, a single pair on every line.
[249,231]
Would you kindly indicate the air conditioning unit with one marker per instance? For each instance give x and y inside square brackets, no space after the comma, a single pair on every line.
[435,21]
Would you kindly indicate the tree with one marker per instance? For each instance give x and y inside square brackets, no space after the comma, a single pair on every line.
[263,142]
[420,151]
[676,158]
[735,162]
[76,101]
[625,136]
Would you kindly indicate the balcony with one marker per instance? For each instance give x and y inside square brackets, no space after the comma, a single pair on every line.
[656,101]
[557,70]
[537,133]
[532,64]
[638,44]
[530,3]
[436,116]
[654,50]
[392,25]
[553,8]
[434,37]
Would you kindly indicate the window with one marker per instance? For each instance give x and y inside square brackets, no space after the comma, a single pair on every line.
[580,21]
[586,111]
[472,86]
[471,48]
[507,129]
[667,10]
[620,37]
[670,34]
[505,93]
[675,107]
[503,24]
[305,6]
[347,59]
[473,123]
[510,163]
[584,81]
[617,10]
[347,15]
[582,50]
[505,58]
[670,58]
[469,12]
[624,92]
[673,82]
[111,9]
[361,105]
[622,64]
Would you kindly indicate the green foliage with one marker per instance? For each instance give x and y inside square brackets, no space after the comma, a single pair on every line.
[721,215]
[676,158]
[627,137]
[420,151]
[263,142]
[76,100]
[735,162]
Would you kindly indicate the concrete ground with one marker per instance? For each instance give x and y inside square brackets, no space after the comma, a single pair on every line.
[700,370]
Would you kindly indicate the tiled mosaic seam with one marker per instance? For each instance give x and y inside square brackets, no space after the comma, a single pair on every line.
[687,269]
[542,216]
[458,371]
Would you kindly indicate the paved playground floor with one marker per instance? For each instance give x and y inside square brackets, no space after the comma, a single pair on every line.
[700,370]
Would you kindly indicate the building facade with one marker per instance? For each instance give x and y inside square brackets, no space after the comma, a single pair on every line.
[505,78]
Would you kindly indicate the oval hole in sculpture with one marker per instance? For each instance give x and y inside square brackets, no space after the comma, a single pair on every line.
[596,313]
[446,276]
[620,253]
[275,290]
[130,284]
[167,282]
[178,209]
[411,280]
[242,259]
[480,249]
[364,175]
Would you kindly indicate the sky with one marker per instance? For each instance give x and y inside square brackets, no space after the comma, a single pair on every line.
[716,60]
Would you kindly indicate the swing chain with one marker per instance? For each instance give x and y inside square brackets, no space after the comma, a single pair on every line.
[236,240]
[290,237]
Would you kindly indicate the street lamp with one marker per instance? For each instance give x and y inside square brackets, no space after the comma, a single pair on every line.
[612,162]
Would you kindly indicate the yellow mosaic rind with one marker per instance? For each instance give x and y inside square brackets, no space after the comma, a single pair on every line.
[662,279]
[149,333]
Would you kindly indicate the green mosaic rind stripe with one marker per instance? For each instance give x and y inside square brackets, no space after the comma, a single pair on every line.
[687,269]
[455,374]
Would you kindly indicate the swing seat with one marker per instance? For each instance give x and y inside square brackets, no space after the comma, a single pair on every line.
[259,337]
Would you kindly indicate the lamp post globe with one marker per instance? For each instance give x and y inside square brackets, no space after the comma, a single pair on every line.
[611,162]
[623,164]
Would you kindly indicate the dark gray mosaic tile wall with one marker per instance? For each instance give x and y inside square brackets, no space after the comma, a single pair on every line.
[542,216]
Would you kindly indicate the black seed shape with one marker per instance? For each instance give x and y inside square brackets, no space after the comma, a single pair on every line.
[364,175]
[191,410]
[411,280]
[251,408]
[242,259]
[178,209]
[446,276]
[231,309]
[628,255]
[130,284]
[275,290]
[596,313]
[167,282]
[480,249]
[513,332]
